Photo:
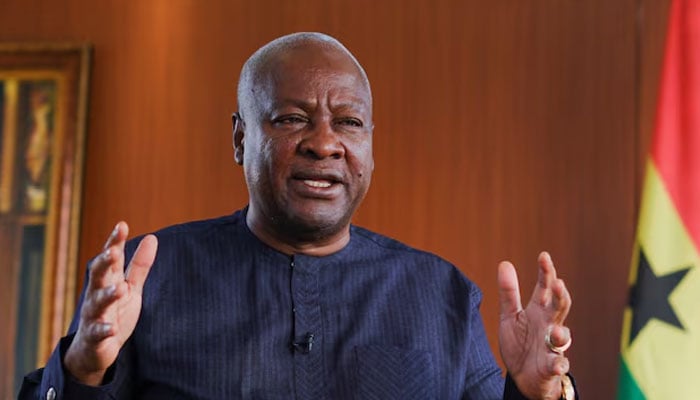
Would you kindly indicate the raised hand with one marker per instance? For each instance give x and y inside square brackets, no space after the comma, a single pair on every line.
[532,340]
[111,306]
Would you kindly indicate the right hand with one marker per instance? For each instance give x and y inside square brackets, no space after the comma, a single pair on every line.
[111,306]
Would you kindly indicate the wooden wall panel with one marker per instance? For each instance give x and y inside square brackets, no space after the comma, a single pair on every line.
[653,21]
[502,128]
[7,295]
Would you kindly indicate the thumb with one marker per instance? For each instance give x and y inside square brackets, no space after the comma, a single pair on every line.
[142,261]
[508,290]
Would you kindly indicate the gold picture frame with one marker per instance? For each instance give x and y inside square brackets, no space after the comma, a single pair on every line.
[43,108]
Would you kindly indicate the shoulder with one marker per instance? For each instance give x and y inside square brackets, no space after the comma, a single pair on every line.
[200,227]
[428,284]
[431,269]
[375,243]
[193,231]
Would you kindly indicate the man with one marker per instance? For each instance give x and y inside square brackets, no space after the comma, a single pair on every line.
[285,298]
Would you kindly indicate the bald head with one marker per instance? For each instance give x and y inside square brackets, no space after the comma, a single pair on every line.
[269,56]
[303,133]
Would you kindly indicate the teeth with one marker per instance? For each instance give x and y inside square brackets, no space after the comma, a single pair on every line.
[318,184]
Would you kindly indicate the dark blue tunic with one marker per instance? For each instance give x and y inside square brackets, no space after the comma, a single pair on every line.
[226,317]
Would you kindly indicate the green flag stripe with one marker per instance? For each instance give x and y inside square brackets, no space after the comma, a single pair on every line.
[627,388]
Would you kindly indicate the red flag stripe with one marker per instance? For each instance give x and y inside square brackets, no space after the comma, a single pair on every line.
[676,143]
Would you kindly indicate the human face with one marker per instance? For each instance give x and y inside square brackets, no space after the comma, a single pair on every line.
[307,148]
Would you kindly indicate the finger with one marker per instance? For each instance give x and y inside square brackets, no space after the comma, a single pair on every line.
[546,274]
[120,232]
[559,335]
[508,290]
[118,245]
[96,305]
[558,339]
[98,331]
[561,301]
[111,258]
[141,262]
[100,268]
[559,366]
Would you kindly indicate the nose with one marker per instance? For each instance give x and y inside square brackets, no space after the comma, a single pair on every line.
[321,142]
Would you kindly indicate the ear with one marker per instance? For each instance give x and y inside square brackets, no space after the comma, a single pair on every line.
[238,126]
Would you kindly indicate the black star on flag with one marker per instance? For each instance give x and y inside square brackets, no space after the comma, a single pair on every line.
[649,297]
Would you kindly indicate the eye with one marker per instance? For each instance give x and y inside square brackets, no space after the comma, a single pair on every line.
[350,122]
[292,119]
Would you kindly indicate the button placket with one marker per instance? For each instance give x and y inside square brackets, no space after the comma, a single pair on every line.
[308,361]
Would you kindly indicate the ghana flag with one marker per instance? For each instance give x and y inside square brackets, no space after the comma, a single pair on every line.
[661,328]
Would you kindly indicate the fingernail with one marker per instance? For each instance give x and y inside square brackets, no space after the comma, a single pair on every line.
[109,290]
[115,230]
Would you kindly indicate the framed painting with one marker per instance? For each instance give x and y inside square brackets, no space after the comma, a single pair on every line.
[43,105]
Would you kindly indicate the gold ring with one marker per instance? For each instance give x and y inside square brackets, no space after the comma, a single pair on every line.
[556,349]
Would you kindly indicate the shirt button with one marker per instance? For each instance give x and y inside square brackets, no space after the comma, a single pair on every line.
[51,394]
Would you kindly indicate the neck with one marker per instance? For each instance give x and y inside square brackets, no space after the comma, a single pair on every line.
[291,244]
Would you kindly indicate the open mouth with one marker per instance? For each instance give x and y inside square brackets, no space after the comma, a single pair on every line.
[318,183]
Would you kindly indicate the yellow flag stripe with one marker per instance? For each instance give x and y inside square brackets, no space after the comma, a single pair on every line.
[663,359]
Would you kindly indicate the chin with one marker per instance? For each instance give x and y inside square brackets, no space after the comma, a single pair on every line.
[317,222]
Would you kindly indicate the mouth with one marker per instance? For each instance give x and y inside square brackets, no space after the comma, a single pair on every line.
[318,185]
[318,178]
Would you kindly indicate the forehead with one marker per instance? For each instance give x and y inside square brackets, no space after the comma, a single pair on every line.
[307,73]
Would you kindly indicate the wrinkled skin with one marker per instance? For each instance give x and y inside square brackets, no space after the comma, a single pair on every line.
[535,368]
[306,150]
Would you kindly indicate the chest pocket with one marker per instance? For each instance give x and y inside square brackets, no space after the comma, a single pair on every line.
[388,373]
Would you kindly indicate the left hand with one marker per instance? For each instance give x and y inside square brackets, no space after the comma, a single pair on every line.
[533,365]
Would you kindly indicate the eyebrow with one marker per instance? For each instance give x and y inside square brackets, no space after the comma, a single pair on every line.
[306,105]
